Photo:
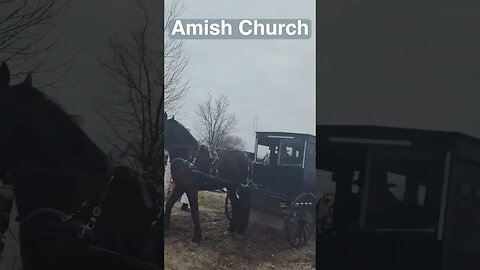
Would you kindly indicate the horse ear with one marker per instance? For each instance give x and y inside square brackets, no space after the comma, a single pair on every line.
[4,76]
[28,80]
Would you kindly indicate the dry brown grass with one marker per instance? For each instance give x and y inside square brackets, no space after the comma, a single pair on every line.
[260,248]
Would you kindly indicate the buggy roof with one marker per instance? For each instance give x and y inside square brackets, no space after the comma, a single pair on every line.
[273,138]
[347,140]
[284,135]
[416,136]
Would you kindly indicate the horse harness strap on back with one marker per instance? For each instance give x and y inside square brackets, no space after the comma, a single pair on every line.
[214,157]
[213,165]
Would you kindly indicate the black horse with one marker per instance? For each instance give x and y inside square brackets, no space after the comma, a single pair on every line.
[54,167]
[231,165]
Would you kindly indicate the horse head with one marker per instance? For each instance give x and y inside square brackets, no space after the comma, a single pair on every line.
[178,135]
[35,131]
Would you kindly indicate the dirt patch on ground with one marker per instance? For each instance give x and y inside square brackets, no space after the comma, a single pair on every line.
[260,248]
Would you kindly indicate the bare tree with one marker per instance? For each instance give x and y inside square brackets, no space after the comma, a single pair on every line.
[175,62]
[25,35]
[135,109]
[216,123]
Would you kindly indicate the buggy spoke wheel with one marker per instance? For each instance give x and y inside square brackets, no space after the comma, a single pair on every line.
[228,208]
[300,220]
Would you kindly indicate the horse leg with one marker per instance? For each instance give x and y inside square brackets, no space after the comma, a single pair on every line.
[176,194]
[193,200]
[232,227]
[244,202]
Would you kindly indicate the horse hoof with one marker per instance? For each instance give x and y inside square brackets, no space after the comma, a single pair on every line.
[233,234]
[196,239]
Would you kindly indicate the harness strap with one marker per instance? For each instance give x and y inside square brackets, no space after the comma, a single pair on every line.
[194,159]
[97,209]
[213,165]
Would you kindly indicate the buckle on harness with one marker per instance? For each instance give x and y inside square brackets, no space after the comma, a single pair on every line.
[96,211]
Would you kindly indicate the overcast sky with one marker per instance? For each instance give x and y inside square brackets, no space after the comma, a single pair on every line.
[274,79]
[85,28]
[403,64]
[410,71]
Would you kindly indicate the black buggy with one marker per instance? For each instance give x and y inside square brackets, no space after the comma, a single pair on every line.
[283,181]
[402,198]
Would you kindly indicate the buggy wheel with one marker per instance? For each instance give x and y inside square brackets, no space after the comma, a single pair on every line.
[300,220]
[228,208]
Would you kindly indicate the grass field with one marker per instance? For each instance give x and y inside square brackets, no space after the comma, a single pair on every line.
[260,248]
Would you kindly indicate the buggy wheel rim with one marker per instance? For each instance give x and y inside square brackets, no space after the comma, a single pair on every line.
[300,222]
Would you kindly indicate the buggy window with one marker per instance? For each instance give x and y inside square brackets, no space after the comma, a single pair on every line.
[291,152]
[403,191]
[282,152]
[267,155]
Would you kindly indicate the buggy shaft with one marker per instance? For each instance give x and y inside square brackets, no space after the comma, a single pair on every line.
[243,186]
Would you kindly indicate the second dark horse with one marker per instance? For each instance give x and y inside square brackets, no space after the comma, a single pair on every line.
[231,165]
